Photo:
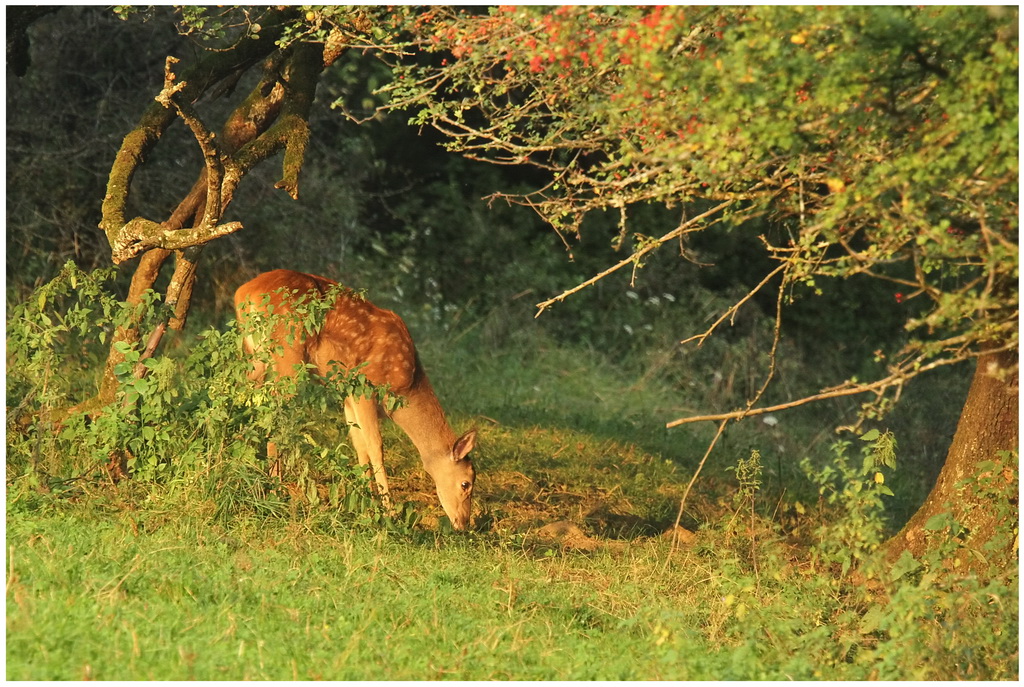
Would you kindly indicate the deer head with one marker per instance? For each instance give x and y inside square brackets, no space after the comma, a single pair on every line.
[454,478]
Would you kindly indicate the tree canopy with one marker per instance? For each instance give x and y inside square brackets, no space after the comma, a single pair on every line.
[877,141]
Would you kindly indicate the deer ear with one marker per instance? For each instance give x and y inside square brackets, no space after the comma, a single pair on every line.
[463,445]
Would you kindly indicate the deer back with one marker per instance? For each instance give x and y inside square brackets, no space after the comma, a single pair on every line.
[354,331]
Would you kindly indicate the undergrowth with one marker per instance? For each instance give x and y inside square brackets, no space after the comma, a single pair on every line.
[190,425]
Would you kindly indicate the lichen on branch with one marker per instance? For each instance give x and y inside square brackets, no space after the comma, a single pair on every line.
[142,234]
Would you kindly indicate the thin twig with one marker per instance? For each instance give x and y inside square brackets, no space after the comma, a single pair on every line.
[700,466]
[736,306]
[900,377]
[776,337]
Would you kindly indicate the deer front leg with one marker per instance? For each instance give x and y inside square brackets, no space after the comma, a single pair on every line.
[364,431]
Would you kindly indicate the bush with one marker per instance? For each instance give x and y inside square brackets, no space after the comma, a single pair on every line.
[846,612]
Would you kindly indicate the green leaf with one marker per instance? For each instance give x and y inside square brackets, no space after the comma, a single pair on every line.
[122,347]
[870,435]
[905,565]
[872,620]
[985,466]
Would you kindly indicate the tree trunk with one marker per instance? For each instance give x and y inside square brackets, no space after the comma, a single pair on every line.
[145,276]
[983,499]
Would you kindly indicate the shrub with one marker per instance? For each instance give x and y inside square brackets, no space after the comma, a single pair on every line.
[847,612]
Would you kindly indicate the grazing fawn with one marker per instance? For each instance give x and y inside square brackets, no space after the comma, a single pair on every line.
[355,332]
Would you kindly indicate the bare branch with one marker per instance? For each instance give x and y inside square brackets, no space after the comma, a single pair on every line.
[776,337]
[696,473]
[736,306]
[898,378]
[688,225]
[179,291]
[213,68]
[214,171]
[291,130]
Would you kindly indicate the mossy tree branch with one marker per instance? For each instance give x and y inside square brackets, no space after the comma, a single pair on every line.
[213,68]
[274,113]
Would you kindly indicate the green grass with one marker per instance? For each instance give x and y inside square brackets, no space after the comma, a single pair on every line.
[106,594]
[97,600]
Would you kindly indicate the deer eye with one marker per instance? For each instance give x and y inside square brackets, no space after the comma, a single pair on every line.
[466,486]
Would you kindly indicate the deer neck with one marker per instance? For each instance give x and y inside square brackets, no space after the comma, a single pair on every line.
[422,418]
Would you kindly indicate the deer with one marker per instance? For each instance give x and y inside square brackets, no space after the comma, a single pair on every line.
[357,334]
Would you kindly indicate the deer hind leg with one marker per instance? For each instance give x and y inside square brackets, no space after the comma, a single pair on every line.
[364,430]
[284,366]
[259,368]
[274,467]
